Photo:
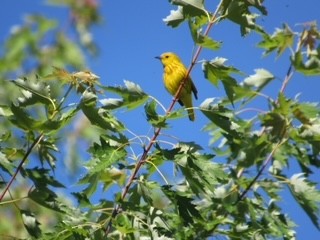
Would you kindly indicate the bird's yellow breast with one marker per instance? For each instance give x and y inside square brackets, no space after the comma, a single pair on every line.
[173,74]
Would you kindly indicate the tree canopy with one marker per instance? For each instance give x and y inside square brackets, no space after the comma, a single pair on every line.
[54,111]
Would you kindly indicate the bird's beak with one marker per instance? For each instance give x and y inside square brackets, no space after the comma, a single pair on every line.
[158,57]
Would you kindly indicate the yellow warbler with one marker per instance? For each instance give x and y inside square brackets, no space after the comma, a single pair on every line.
[173,73]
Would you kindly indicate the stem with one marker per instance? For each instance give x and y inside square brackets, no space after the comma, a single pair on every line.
[264,165]
[34,144]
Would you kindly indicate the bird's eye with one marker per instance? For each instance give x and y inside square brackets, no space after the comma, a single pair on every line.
[167,56]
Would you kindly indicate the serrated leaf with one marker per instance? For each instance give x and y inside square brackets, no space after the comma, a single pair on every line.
[105,154]
[5,111]
[99,117]
[185,206]
[259,79]
[132,95]
[42,179]
[215,70]
[220,116]
[175,18]
[111,103]
[22,119]
[306,195]
[305,112]
[277,122]
[31,223]
[92,181]
[200,39]
[279,41]
[46,199]
[34,92]
[239,12]
[152,115]
[309,67]
[191,7]
[123,224]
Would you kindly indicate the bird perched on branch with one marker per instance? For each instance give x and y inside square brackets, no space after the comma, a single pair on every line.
[174,72]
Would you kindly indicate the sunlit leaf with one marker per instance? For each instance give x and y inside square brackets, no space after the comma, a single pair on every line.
[100,117]
[5,111]
[309,67]
[279,41]
[104,155]
[191,7]
[185,206]
[201,39]
[307,195]
[175,18]
[35,92]
[239,12]
[46,199]
[132,95]
[216,70]
[259,79]
[31,223]
[220,116]
[123,224]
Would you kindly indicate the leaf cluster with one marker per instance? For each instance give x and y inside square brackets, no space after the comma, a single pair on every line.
[124,190]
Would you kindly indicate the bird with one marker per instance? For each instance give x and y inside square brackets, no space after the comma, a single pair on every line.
[174,72]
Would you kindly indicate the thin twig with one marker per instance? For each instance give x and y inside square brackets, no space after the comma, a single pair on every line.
[264,165]
[34,144]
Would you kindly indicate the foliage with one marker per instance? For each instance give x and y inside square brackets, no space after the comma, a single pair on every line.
[236,198]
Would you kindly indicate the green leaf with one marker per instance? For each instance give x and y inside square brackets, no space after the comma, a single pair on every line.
[92,181]
[184,205]
[45,148]
[69,51]
[5,111]
[239,12]
[105,154]
[201,39]
[277,122]
[46,199]
[304,112]
[31,223]
[132,95]
[175,18]
[44,24]
[309,67]
[279,41]
[22,119]
[215,70]
[191,7]
[42,179]
[220,116]
[123,224]
[260,79]
[152,116]
[158,120]
[307,195]
[99,117]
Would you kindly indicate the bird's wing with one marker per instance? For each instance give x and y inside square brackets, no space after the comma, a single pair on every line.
[180,102]
[194,90]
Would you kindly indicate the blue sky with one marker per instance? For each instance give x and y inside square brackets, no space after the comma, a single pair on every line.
[132,34]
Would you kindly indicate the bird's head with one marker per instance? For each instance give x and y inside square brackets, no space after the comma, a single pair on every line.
[168,58]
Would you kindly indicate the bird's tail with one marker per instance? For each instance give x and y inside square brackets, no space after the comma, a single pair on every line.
[191,114]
